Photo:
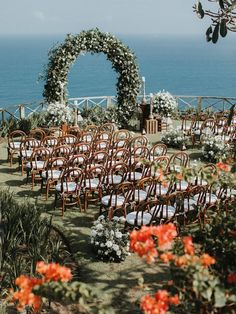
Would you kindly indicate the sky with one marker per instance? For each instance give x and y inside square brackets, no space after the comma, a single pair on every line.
[115,16]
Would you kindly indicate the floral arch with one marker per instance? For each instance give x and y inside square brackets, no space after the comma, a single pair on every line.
[123,61]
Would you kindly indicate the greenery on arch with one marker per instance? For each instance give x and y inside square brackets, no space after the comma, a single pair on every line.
[62,56]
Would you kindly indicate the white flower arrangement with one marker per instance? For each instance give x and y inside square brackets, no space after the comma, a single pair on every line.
[174,138]
[109,240]
[164,104]
[214,149]
[57,114]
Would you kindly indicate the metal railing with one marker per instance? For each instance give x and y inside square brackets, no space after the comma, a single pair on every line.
[213,103]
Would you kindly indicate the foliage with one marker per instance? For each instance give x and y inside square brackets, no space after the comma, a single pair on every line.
[214,149]
[57,114]
[174,138]
[64,55]
[164,104]
[194,284]
[109,240]
[26,238]
[98,115]
[54,284]
[223,19]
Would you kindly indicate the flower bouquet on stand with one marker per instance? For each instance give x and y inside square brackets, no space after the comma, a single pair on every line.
[57,114]
[109,240]
[164,104]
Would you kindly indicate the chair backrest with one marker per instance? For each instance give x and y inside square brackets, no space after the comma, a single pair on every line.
[158,150]
[121,134]
[177,160]
[110,127]
[29,143]
[101,145]
[94,172]
[139,140]
[104,135]
[38,134]
[50,141]
[71,175]
[62,150]
[99,158]
[160,165]
[82,148]
[120,155]
[116,173]
[140,152]
[68,139]
[87,137]
[77,161]
[40,154]
[15,138]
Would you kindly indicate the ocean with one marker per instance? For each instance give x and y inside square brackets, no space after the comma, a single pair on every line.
[180,65]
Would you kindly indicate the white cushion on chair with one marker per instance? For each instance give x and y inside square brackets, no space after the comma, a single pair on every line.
[167,212]
[181,185]
[134,176]
[15,145]
[210,198]
[115,178]
[38,164]
[69,187]
[54,174]
[25,153]
[140,195]
[131,218]
[93,183]
[115,199]
[189,204]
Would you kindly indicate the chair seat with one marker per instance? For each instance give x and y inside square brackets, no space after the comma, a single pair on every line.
[54,174]
[36,164]
[189,204]
[145,220]
[118,200]
[166,212]
[159,190]
[91,183]
[139,195]
[181,185]
[134,176]
[115,179]
[67,187]
[15,145]
[25,153]
[210,198]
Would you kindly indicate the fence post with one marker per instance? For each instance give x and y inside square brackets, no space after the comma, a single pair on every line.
[75,112]
[199,104]
[22,111]
[3,115]
[109,101]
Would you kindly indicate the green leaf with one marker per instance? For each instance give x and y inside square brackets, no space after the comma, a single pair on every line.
[200,11]
[215,34]
[208,34]
[220,299]
[223,28]
[221,3]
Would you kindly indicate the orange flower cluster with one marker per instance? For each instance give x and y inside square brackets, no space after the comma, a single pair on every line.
[50,272]
[188,245]
[142,242]
[186,259]
[158,304]
[53,271]
[223,167]
[25,296]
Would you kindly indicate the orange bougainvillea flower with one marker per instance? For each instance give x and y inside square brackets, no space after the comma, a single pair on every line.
[167,257]
[165,234]
[54,271]
[181,260]
[25,296]
[231,278]
[207,260]
[174,300]
[158,304]
[188,245]
[223,167]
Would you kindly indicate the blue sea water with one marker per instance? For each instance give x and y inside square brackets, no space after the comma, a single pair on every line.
[180,65]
